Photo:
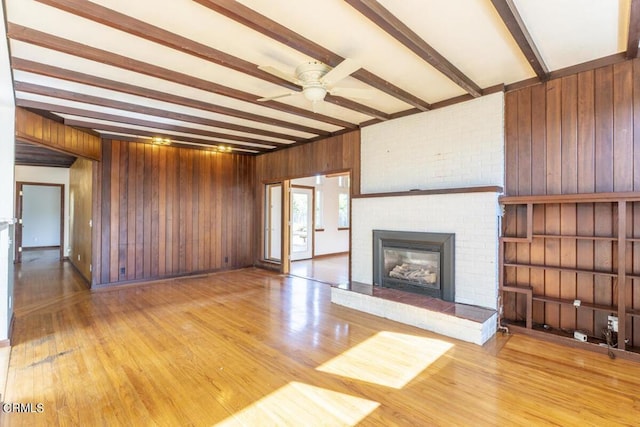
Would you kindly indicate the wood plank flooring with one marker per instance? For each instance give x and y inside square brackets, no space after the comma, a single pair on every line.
[251,347]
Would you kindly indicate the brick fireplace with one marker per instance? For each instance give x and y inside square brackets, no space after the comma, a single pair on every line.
[436,172]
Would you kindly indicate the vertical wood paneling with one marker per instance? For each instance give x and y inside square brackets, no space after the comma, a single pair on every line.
[524,141]
[582,136]
[33,128]
[604,129]
[511,150]
[623,126]
[159,205]
[81,195]
[538,140]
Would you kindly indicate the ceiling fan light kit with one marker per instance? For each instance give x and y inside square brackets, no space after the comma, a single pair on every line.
[316,79]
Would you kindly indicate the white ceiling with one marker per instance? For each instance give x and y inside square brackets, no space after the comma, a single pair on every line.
[470,34]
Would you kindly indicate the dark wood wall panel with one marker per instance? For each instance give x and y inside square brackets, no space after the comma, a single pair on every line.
[167,211]
[576,134]
[81,195]
[33,128]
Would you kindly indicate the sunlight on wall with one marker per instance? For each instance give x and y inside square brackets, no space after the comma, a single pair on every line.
[302,404]
[387,358]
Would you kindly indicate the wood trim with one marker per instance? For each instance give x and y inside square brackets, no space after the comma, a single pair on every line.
[633,37]
[514,23]
[264,25]
[111,103]
[389,23]
[74,76]
[19,214]
[38,38]
[483,189]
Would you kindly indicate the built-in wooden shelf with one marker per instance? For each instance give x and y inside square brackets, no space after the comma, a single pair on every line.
[417,192]
[561,269]
[617,203]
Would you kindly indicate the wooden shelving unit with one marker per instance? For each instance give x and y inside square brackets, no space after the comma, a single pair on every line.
[621,272]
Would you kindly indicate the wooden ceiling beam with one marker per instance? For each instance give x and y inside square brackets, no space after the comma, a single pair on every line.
[260,23]
[514,23]
[125,23]
[139,122]
[389,23]
[90,80]
[134,108]
[634,30]
[39,38]
[149,134]
[166,38]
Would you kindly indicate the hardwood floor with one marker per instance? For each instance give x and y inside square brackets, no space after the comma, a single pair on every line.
[251,347]
[332,269]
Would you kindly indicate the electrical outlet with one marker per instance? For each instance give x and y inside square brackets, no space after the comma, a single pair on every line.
[122,270]
[613,323]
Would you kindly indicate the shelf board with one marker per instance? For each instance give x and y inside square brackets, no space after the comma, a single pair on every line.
[562,269]
[596,307]
[572,198]
[571,236]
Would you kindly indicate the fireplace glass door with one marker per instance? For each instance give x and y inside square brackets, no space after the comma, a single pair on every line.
[411,266]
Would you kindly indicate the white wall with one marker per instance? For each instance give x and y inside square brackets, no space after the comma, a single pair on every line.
[457,146]
[40,216]
[7,126]
[48,175]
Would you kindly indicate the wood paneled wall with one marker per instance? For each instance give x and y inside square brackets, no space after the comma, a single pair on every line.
[167,211]
[31,127]
[577,134]
[335,154]
[81,198]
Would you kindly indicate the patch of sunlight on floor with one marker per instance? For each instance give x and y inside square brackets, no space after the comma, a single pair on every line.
[387,358]
[298,404]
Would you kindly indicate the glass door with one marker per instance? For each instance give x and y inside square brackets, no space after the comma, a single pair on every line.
[273,223]
[302,208]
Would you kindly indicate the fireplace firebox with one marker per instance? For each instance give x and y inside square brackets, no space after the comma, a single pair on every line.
[418,262]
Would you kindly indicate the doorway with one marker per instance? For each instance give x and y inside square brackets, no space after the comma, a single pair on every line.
[302,228]
[40,213]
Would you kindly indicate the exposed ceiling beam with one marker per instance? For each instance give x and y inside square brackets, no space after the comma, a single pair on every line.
[262,24]
[512,19]
[29,35]
[139,122]
[90,80]
[388,22]
[134,108]
[166,38]
[150,134]
[634,30]
[122,22]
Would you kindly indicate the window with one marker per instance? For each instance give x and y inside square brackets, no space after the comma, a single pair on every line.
[343,210]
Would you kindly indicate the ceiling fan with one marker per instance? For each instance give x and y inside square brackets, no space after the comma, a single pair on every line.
[317,79]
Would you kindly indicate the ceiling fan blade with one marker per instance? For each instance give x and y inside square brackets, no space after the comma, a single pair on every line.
[282,95]
[342,70]
[281,74]
[346,92]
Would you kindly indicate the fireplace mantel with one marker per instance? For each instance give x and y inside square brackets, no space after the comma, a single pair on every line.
[436,191]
